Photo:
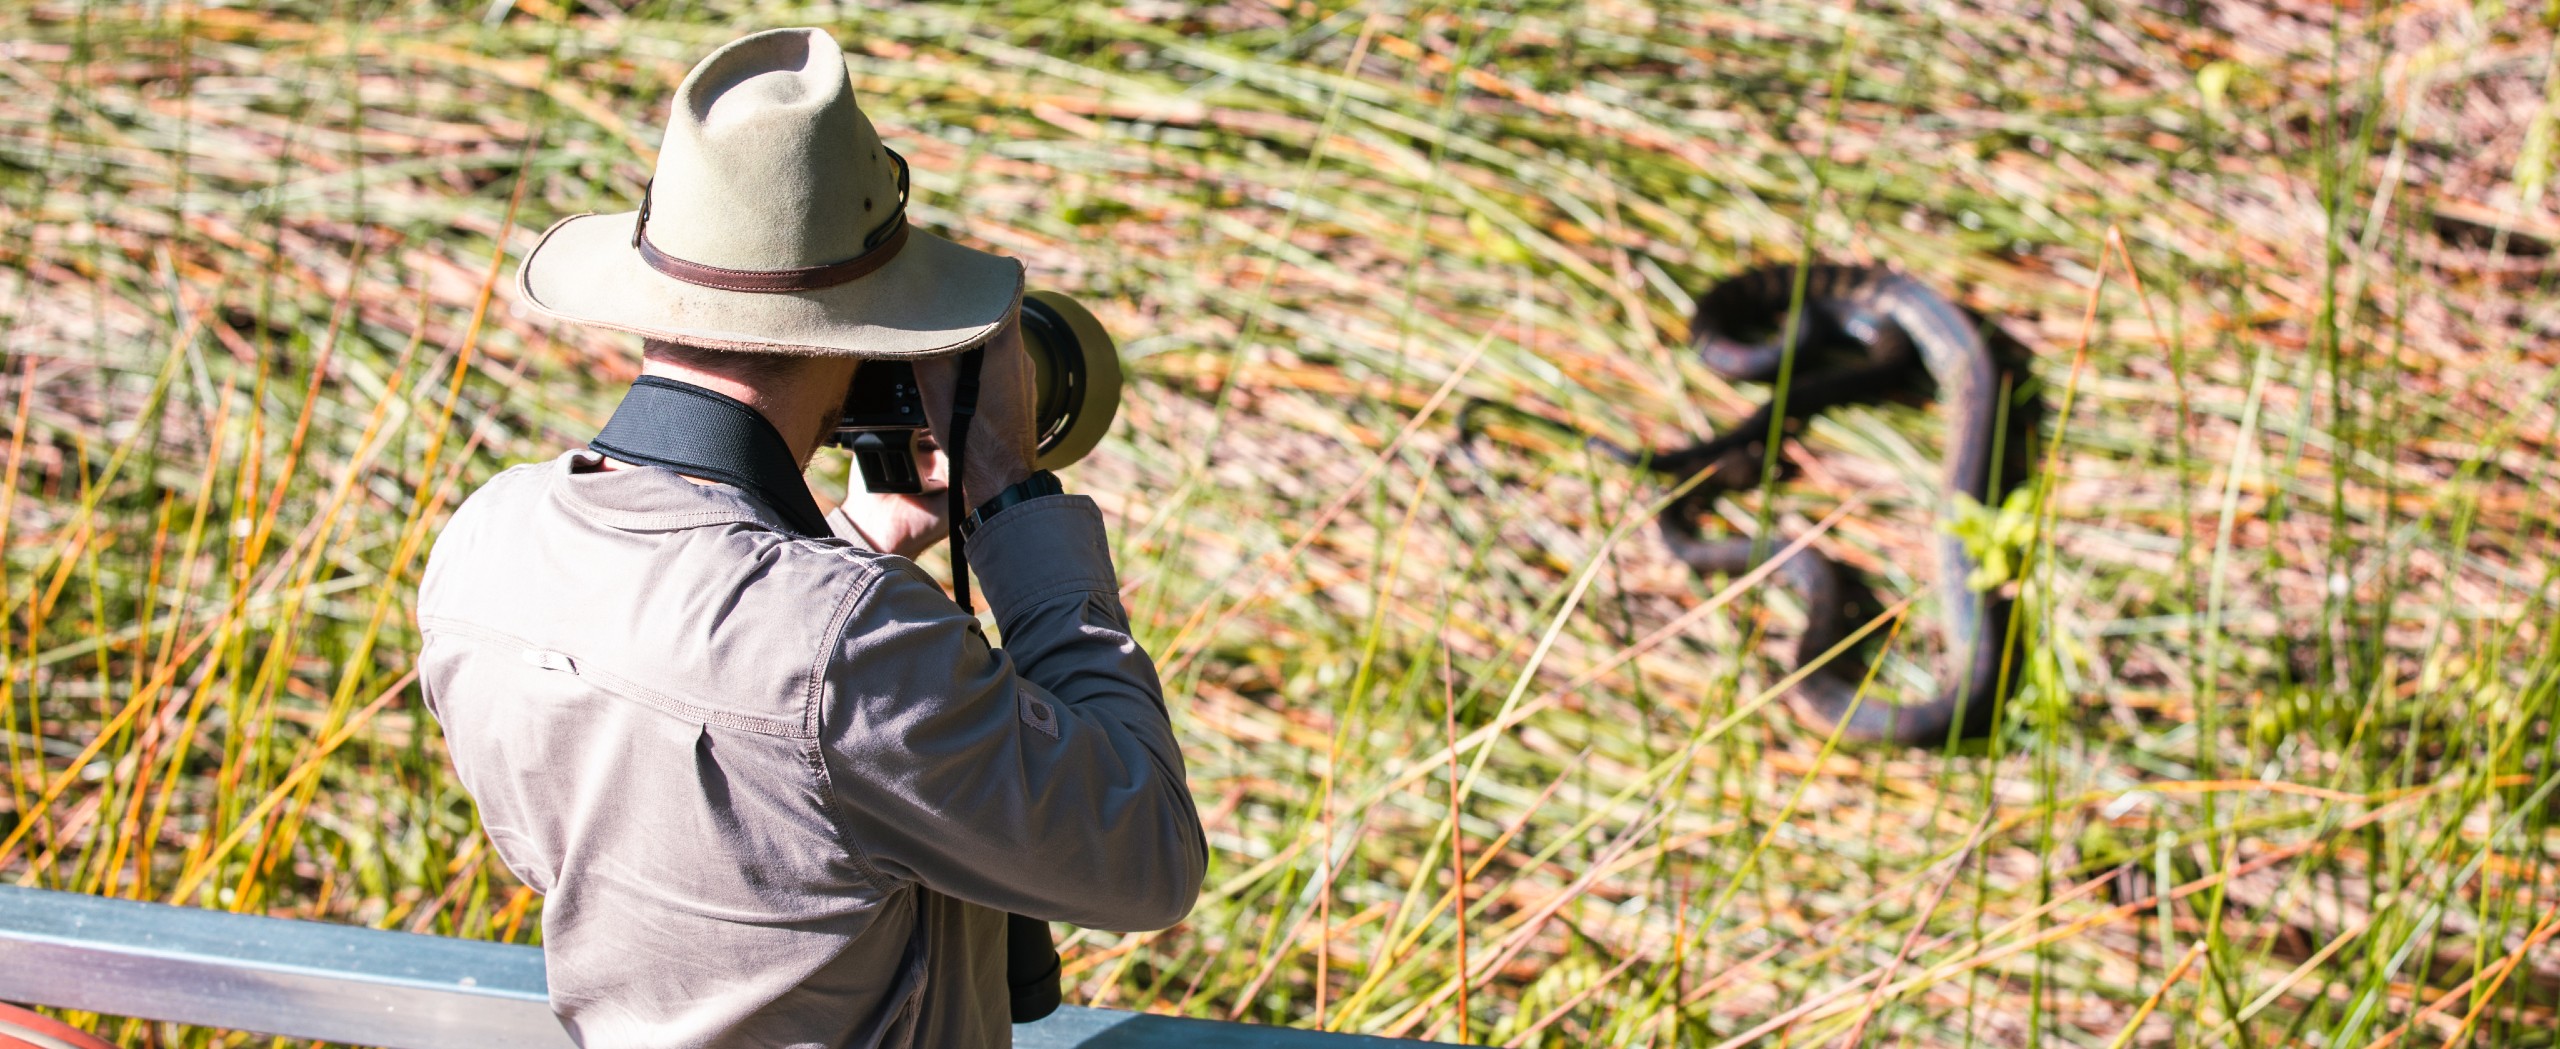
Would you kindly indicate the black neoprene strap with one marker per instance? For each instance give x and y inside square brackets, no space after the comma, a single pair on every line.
[691,430]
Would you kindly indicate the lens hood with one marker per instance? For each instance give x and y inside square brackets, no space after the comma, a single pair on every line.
[1076,371]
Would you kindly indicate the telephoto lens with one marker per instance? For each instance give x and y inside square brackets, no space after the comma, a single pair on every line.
[1075,374]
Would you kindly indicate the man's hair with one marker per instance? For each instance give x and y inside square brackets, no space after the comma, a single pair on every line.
[736,364]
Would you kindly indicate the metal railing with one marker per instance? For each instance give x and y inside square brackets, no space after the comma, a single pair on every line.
[398,990]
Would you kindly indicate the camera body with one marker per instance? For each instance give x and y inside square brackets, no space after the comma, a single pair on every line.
[1075,378]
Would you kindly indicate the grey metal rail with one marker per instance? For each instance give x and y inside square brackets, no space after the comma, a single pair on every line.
[397,990]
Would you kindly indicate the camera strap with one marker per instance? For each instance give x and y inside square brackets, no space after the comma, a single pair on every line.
[1032,974]
[1030,955]
[691,430]
[964,408]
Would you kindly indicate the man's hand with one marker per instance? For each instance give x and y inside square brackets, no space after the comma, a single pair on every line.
[1001,449]
[1001,444]
[903,524]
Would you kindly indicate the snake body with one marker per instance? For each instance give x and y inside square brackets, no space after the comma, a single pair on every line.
[1894,321]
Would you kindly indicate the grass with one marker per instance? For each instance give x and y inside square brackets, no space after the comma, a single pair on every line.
[2280,771]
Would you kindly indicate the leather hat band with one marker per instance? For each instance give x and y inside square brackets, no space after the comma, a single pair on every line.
[806,278]
[878,248]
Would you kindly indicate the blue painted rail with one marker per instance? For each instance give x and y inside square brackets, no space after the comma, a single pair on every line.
[398,990]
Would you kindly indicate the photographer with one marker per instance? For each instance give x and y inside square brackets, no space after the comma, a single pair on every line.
[777,788]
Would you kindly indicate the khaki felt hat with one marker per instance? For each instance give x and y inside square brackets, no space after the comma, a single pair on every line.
[776,223]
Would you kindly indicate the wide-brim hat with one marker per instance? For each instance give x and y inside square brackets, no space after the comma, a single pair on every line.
[776,223]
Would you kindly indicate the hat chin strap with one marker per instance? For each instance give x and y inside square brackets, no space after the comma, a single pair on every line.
[882,245]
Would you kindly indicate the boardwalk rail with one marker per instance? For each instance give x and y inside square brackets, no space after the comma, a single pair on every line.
[397,990]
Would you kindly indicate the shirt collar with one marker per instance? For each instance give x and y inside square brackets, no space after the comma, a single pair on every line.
[650,498]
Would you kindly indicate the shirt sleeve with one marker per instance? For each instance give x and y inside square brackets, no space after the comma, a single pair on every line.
[1041,778]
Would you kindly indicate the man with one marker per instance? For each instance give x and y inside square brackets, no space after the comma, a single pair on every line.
[776,787]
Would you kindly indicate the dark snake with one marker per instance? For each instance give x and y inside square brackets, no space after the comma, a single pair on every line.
[1893,322]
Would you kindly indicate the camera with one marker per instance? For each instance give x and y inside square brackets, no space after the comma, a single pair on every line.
[1075,375]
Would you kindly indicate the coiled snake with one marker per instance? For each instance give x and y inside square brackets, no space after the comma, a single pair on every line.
[1894,322]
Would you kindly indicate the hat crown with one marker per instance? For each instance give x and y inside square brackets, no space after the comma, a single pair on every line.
[768,162]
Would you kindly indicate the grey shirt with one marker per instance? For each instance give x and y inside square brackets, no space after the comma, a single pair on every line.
[779,791]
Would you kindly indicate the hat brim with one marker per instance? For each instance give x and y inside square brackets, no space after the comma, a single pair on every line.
[935,298]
